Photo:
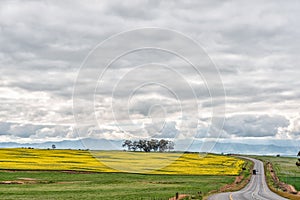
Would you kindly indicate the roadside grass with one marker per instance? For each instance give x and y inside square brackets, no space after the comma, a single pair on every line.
[245,175]
[286,170]
[240,181]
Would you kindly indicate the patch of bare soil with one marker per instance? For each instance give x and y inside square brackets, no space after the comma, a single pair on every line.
[72,182]
[12,182]
[283,186]
[21,181]
[77,172]
[235,185]
[181,196]
[64,171]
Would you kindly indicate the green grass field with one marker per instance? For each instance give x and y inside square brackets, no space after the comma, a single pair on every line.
[72,174]
[285,169]
[59,185]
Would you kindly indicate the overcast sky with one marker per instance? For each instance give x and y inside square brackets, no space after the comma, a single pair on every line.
[254,44]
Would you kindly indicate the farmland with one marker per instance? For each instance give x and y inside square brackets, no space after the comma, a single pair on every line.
[58,185]
[74,174]
[39,159]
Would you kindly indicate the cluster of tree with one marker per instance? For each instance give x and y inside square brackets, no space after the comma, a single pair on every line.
[149,145]
[27,148]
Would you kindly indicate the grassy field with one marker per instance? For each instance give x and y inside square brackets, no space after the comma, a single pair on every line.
[58,185]
[70,174]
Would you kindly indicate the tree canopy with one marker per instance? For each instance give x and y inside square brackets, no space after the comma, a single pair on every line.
[149,145]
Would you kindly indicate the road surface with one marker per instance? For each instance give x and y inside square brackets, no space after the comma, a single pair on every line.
[256,189]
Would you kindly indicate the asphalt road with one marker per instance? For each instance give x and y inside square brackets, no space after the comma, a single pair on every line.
[256,189]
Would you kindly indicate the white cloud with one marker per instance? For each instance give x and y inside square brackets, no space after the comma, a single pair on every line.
[254,44]
[292,131]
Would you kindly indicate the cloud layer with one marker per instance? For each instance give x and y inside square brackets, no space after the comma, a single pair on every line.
[255,46]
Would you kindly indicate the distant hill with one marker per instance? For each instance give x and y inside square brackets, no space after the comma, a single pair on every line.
[220,147]
[255,149]
[100,144]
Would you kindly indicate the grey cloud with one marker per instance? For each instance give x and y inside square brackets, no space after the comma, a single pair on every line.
[169,130]
[23,130]
[4,128]
[254,44]
[35,131]
[148,10]
[254,125]
[146,107]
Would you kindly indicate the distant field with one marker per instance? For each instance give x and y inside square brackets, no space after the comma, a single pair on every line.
[189,174]
[285,168]
[37,159]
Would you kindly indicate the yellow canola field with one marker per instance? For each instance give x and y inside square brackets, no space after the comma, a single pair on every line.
[119,161]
